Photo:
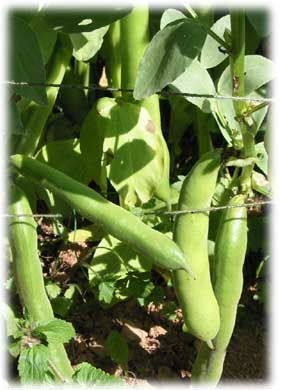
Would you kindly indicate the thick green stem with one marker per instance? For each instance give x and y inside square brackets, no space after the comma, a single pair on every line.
[134,40]
[113,58]
[28,273]
[238,89]
[82,71]
[35,117]
[204,140]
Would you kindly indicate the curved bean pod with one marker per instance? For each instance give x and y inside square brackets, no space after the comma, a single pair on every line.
[122,224]
[196,297]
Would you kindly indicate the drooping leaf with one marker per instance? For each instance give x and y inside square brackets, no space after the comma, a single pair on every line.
[169,16]
[211,53]
[55,331]
[126,137]
[33,364]
[117,347]
[26,62]
[258,71]
[260,21]
[197,80]
[83,20]
[168,55]
[87,44]
[86,374]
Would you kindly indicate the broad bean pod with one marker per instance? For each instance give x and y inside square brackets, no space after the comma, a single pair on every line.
[230,250]
[115,220]
[196,297]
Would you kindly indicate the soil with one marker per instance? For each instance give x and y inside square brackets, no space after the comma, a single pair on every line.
[158,348]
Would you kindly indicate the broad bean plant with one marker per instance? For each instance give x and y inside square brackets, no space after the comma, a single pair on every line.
[99,103]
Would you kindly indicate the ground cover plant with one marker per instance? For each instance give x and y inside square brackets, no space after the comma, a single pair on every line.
[139,178]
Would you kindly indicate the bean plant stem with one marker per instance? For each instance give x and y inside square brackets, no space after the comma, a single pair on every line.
[237,56]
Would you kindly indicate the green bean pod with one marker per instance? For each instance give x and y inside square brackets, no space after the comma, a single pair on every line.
[115,220]
[230,251]
[196,297]
[28,273]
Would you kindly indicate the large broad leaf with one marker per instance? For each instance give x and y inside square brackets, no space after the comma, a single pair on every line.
[113,260]
[211,55]
[46,37]
[196,79]
[258,71]
[169,16]
[87,44]
[125,134]
[168,55]
[82,20]
[26,62]
[259,19]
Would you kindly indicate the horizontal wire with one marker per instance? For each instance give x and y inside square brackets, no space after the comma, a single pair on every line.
[218,208]
[96,87]
[175,212]
[32,215]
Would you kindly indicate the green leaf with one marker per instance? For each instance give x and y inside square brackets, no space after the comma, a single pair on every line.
[64,155]
[33,364]
[88,233]
[117,347]
[55,331]
[61,305]
[125,135]
[169,16]
[26,62]
[261,184]
[15,122]
[262,158]
[85,373]
[53,290]
[196,79]
[258,71]
[113,260]
[87,44]
[211,56]
[106,291]
[259,19]
[82,20]
[46,37]
[12,322]
[168,55]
